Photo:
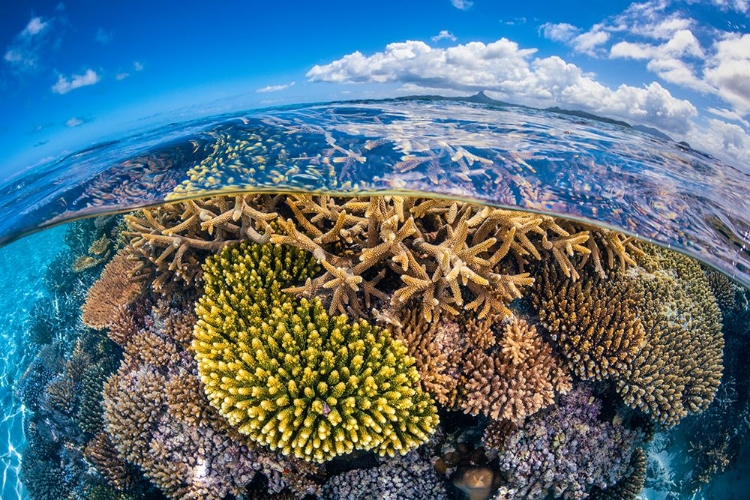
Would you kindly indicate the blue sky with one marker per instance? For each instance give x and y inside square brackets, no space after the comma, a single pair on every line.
[74,73]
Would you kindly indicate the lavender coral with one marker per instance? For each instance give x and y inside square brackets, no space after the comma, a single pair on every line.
[566,452]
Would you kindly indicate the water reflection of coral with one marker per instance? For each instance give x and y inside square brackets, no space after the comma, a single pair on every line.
[298,346]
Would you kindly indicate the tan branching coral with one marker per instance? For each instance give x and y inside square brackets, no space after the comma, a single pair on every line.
[516,380]
[101,452]
[679,367]
[594,321]
[170,241]
[435,347]
[113,290]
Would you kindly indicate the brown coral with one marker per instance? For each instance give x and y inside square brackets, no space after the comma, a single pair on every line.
[594,321]
[516,380]
[113,289]
[679,367]
[435,347]
[101,452]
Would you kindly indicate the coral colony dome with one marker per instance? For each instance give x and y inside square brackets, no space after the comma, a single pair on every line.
[486,274]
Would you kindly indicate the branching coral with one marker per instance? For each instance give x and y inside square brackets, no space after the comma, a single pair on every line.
[169,242]
[435,347]
[594,321]
[679,368]
[112,290]
[291,377]
[517,379]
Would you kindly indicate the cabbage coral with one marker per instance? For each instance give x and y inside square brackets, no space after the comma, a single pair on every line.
[285,373]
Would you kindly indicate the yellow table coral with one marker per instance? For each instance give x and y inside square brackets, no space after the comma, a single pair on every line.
[284,372]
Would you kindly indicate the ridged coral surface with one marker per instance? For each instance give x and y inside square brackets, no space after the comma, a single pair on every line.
[291,377]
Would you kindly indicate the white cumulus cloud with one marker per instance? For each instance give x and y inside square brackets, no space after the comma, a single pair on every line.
[274,88]
[73,122]
[511,73]
[444,35]
[63,85]
[24,53]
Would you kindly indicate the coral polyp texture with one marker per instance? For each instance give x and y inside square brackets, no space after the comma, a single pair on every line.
[679,368]
[114,289]
[285,373]
[594,321]
[567,452]
[515,380]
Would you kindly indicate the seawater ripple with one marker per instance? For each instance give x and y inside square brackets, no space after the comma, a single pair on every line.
[599,172]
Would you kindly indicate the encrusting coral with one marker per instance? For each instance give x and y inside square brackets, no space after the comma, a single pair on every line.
[291,377]
[566,452]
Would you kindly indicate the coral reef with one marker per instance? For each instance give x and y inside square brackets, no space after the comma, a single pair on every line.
[158,419]
[682,325]
[567,451]
[291,377]
[113,289]
[435,348]
[410,477]
[594,321]
[515,380]
[169,242]
[629,486]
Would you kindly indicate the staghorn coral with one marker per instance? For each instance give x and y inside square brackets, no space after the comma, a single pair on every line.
[515,380]
[679,368]
[169,242]
[289,376]
[594,321]
[113,289]
[566,452]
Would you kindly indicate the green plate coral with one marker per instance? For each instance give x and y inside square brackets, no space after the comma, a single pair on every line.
[284,372]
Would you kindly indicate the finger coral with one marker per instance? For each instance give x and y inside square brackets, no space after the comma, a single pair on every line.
[289,376]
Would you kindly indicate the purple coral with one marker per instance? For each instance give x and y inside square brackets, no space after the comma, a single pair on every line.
[566,451]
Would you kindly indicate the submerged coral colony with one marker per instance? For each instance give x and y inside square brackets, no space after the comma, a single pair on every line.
[300,346]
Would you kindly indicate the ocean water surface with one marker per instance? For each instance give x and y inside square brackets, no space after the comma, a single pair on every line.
[410,298]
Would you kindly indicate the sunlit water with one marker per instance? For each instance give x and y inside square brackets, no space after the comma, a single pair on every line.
[577,166]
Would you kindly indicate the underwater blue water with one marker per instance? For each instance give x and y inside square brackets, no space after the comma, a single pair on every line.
[22,266]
